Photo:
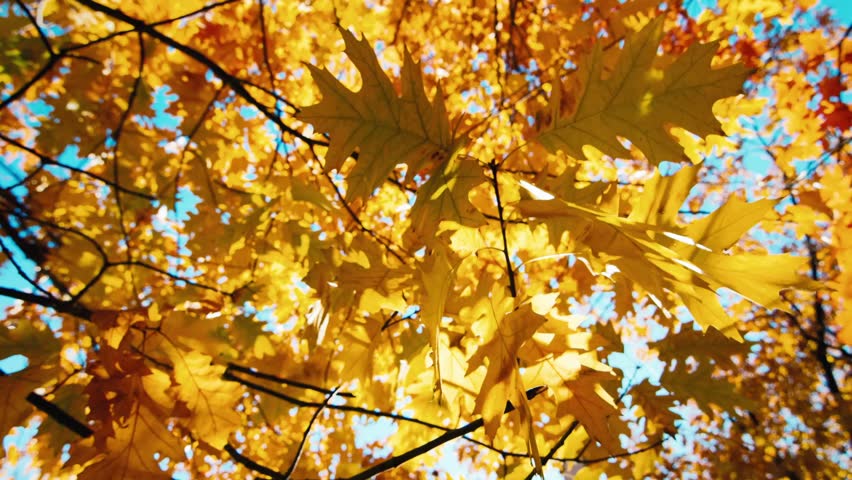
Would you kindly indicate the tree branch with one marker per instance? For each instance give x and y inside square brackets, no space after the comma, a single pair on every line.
[233,82]
[301,446]
[285,381]
[49,302]
[556,446]
[396,461]
[47,67]
[60,416]
[513,290]
[50,161]
[251,464]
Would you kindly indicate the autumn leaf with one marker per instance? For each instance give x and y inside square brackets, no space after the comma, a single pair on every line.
[72,400]
[442,202]
[210,400]
[136,451]
[639,99]
[491,201]
[708,346]
[503,337]
[388,129]
[436,275]
[706,390]
[41,349]
[593,406]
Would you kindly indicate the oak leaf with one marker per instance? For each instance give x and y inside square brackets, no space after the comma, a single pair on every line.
[42,351]
[503,337]
[388,129]
[135,451]
[442,202]
[639,100]
[210,400]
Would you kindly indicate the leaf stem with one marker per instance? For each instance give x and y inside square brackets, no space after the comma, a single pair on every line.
[301,447]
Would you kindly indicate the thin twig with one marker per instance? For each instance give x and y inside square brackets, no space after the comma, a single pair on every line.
[251,464]
[301,446]
[509,270]
[286,381]
[41,34]
[50,161]
[556,446]
[396,461]
[233,82]
[47,67]
[49,302]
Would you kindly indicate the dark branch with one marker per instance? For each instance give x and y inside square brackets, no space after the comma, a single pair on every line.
[251,464]
[434,443]
[307,432]
[105,38]
[41,34]
[50,161]
[47,67]
[285,381]
[60,416]
[509,269]
[49,302]
[556,446]
[233,82]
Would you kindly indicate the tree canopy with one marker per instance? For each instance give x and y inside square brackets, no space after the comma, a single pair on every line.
[404,238]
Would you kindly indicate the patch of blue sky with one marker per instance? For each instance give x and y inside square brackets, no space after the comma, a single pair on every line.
[14,363]
[410,311]
[10,276]
[249,112]
[478,60]
[161,99]
[841,10]
[370,431]
[284,148]
[472,107]
[187,204]
[379,47]
[10,176]
[68,158]
[39,109]
[53,322]
[266,314]
[19,438]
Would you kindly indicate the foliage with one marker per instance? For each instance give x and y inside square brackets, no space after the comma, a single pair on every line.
[597,237]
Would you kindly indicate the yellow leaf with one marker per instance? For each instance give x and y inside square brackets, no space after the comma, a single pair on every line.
[442,202]
[502,381]
[210,400]
[386,128]
[725,226]
[758,278]
[593,407]
[704,389]
[638,101]
[135,452]
[436,275]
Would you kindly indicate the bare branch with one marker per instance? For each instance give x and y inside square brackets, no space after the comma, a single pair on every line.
[59,415]
[398,460]
[285,381]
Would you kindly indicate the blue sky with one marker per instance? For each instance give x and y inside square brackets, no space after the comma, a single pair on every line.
[842,10]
